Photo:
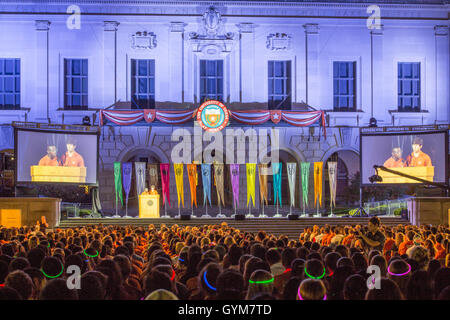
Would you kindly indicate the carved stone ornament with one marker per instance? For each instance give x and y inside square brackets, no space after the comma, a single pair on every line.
[278,41]
[143,40]
[211,40]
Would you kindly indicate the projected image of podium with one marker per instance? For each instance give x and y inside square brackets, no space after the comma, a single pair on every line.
[58,174]
[425,173]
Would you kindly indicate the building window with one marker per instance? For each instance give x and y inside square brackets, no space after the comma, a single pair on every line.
[75,84]
[211,80]
[279,85]
[344,86]
[10,84]
[409,86]
[142,84]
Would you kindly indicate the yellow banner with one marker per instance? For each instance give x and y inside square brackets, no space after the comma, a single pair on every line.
[178,168]
[193,182]
[251,174]
[318,168]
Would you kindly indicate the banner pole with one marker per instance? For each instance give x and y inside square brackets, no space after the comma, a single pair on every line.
[165,207]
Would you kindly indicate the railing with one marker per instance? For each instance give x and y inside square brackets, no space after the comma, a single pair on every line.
[387,207]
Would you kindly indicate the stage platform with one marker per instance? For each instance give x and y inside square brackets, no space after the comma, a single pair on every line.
[277,226]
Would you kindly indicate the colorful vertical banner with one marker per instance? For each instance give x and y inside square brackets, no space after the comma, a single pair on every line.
[165,181]
[292,171]
[251,175]
[118,182]
[140,173]
[178,169]
[234,173]
[332,176]
[262,177]
[193,182]
[276,171]
[318,167]
[218,178]
[127,169]
[152,175]
[305,182]
[206,180]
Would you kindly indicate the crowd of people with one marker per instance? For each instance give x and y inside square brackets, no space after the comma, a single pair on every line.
[218,262]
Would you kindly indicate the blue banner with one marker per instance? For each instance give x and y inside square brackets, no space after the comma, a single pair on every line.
[127,169]
[276,170]
[206,180]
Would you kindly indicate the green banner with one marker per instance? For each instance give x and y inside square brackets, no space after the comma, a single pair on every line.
[118,181]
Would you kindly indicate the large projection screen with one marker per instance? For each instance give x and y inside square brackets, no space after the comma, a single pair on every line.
[56,157]
[419,154]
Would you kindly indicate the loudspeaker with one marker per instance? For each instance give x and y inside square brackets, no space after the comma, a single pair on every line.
[239,217]
[185,217]
[293,216]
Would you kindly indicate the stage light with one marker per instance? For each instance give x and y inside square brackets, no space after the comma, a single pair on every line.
[375,178]
[86,121]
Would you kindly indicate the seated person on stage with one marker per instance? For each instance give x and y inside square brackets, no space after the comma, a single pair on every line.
[50,159]
[418,158]
[396,161]
[71,158]
[153,191]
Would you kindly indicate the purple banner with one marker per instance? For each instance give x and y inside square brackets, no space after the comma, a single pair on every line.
[234,169]
[127,169]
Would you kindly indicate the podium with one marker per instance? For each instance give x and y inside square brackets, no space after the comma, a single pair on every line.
[58,174]
[426,173]
[149,206]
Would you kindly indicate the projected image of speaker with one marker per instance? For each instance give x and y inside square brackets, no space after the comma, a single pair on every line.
[51,156]
[420,154]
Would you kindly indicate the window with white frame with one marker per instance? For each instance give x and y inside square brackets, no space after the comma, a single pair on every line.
[75,84]
[9,84]
[344,85]
[211,80]
[279,77]
[409,86]
[143,83]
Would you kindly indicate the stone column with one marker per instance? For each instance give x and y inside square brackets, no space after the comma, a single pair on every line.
[377,106]
[176,61]
[312,79]
[246,62]
[40,111]
[442,114]
[109,63]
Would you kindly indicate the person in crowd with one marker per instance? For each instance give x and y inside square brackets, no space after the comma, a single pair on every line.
[374,238]
[312,289]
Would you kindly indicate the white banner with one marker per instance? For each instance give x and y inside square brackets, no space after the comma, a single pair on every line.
[332,176]
[291,170]
[140,169]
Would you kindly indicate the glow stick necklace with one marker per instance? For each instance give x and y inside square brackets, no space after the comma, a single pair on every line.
[52,277]
[399,274]
[312,277]
[207,283]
